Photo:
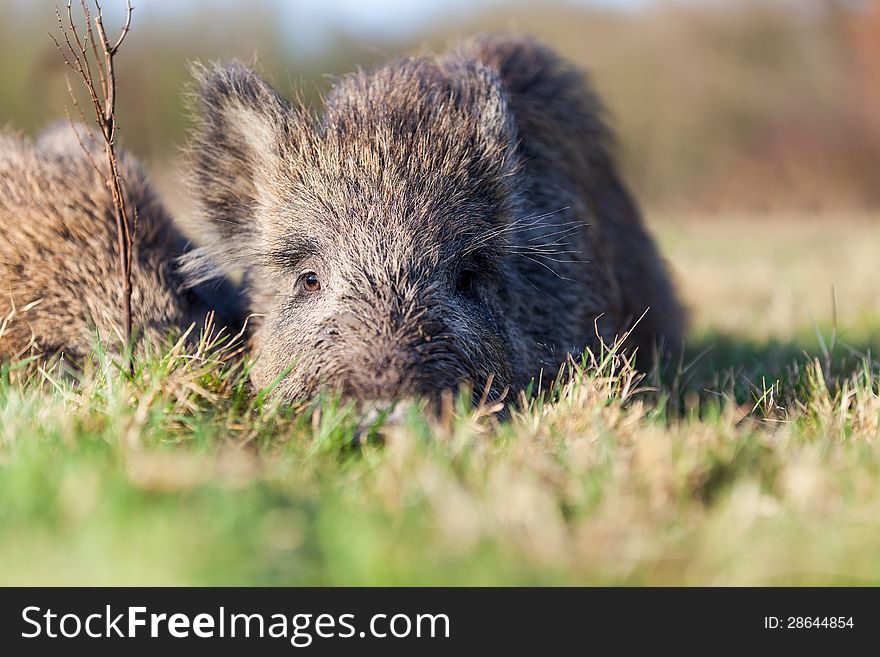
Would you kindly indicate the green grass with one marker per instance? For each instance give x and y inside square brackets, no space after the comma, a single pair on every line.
[754,463]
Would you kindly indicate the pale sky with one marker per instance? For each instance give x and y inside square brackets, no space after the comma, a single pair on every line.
[308,21]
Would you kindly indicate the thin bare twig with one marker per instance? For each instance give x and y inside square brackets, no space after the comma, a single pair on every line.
[83,49]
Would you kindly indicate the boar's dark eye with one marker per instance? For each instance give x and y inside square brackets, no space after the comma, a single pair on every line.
[311,282]
[465,280]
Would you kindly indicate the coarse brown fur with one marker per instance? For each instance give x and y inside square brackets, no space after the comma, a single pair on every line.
[59,282]
[461,214]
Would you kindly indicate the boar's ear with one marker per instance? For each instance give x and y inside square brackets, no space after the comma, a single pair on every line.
[555,108]
[495,121]
[480,107]
[242,139]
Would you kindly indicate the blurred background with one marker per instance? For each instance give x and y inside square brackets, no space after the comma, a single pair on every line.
[733,109]
[719,105]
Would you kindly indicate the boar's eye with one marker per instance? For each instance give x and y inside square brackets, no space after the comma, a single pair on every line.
[465,280]
[311,282]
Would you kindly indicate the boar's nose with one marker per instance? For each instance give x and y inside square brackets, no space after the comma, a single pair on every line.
[386,383]
[380,384]
[379,379]
[392,360]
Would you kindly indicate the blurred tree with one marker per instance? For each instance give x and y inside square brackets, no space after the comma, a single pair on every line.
[865,21]
[743,104]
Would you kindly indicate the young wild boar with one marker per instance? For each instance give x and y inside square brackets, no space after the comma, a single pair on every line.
[59,279]
[449,219]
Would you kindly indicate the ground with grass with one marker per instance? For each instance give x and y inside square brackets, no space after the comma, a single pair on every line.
[754,462]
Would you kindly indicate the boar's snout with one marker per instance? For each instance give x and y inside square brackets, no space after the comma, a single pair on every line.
[381,373]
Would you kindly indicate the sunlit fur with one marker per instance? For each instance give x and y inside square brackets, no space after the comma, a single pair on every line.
[491,158]
[59,277]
